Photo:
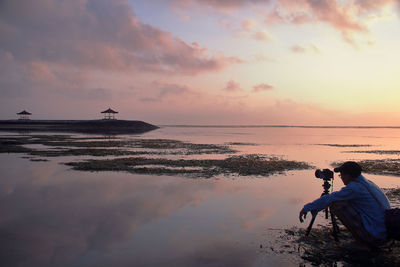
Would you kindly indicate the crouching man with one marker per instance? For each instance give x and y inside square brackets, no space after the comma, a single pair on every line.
[360,205]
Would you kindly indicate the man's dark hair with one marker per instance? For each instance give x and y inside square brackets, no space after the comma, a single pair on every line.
[351,168]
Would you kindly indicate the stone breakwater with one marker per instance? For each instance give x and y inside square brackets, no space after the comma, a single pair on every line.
[78,126]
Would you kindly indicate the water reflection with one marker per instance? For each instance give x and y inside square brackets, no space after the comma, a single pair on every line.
[57,217]
[53,216]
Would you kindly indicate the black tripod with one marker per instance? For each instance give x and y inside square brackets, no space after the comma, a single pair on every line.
[335,227]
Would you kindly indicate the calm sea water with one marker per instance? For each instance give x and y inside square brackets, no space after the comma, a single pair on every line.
[54,216]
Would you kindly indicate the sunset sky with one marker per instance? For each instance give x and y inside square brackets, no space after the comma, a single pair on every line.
[292,62]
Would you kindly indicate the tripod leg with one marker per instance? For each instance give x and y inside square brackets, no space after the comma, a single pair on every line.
[335,227]
[311,224]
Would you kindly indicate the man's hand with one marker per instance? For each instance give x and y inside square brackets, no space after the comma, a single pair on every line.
[302,215]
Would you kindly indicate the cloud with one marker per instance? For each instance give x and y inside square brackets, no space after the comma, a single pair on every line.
[262,87]
[98,94]
[348,17]
[262,57]
[297,49]
[12,80]
[220,4]
[40,72]
[247,29]
[261,36]
[315,49]
[371,6]
[49,90]
[164,90]
[185,18]
[305,49]
[233,86]
[248,24]
[171,89]
[100,35]
[149,99]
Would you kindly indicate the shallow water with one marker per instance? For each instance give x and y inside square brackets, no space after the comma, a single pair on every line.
[54,216]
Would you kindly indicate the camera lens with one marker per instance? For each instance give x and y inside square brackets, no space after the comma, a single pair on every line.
[319,174]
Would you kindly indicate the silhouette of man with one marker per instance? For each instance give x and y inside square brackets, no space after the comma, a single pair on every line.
[360,205]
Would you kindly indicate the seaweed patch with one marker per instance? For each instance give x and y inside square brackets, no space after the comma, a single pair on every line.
[381,167]
[343,145]
[379,152]
[239,165]
[241,144]
[66,145]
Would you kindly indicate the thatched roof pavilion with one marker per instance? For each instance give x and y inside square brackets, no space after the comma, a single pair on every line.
[109,114]
[24,115]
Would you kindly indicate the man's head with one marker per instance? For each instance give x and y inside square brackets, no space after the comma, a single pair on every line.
[349,171]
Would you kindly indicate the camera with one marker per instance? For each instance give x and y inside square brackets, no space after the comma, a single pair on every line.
[325,174]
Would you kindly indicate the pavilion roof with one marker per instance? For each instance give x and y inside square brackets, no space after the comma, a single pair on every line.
[109,110]
[24,112]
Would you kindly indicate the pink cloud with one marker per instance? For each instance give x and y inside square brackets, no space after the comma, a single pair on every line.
[298,49]
[233,86]
[305,49]
[262,57]
[348,17]
[336,15]
[163,90]
[13,78]
[39,71]
[220,4]
[341,16]
[55,76]
[102,35]
[248,24]
[262,87]
[372,6]
[261,36]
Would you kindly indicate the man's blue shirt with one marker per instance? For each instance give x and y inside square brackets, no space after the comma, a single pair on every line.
[372,213]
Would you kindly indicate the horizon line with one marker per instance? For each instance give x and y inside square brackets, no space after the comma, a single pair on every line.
[275,126]
[229,125]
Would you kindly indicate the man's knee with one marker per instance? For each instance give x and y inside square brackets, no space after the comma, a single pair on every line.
[351,219]
[338,206]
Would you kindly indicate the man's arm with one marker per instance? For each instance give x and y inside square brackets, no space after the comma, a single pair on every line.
[346,193]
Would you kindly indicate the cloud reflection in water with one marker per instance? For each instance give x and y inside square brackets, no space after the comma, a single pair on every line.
[54,217]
